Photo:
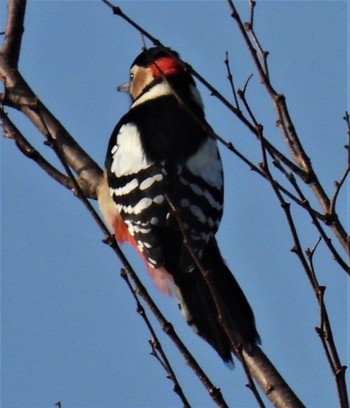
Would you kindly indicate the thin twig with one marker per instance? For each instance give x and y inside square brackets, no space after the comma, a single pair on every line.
[325,332]
[252,4]
[230,80]
[306,205]
[290,177]
[232,108]
[250,28]
[211,88]
[287,127]
[340,183]
[255,364]
[157,349]
[12,132]
[168,328]
[328,342]
[14,30]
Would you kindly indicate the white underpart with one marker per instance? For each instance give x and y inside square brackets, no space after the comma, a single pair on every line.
[205,163]
[128,155]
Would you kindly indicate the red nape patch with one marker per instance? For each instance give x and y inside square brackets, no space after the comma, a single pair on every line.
[166,66]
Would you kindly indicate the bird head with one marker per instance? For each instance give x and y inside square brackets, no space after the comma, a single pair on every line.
[152,66]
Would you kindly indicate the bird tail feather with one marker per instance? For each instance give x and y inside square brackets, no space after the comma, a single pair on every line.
[202,310]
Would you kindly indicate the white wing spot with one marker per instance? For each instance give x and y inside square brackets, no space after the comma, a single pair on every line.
[154,221]
[184,202]
[149,181]
[198,213]
[158,199]
[127,188]
[197,190]
[139,207]
[212,200]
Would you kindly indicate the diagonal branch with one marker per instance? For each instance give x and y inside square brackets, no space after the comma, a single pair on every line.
[11,131]
[14,30]
[109,239]
[19,95]
[339,184]
[305,172]
[285,123]
[325,331]
[157,349]
[214,92]
[292,180]
[256,364]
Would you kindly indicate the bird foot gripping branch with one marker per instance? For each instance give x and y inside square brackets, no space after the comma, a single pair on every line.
[160,157]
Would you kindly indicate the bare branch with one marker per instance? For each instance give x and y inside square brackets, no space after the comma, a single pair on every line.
[233,109]
[327,339]
[19,95]
[168,328]
[277,391]
[214,392]
[340,183]
[12,132]
[287,127]
[250,28]
[255,363]
[14,30]
[157,349]
[313,215]
[230,79]
[201,79]
[325,332]
[251,384]
[290,177]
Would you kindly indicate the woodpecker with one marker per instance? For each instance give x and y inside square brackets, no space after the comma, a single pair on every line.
[163,193]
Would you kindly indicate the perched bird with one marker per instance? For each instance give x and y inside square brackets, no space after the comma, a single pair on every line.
[164,195]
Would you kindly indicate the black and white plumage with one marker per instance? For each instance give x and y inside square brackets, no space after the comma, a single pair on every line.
[159,153]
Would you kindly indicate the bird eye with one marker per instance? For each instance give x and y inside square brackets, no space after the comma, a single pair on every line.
[131,76]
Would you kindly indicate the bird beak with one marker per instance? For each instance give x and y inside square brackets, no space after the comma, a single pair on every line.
[124,87]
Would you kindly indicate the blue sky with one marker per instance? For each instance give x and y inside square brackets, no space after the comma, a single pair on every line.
[70,332]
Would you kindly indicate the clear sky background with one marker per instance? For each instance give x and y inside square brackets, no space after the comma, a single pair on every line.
[70,332]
